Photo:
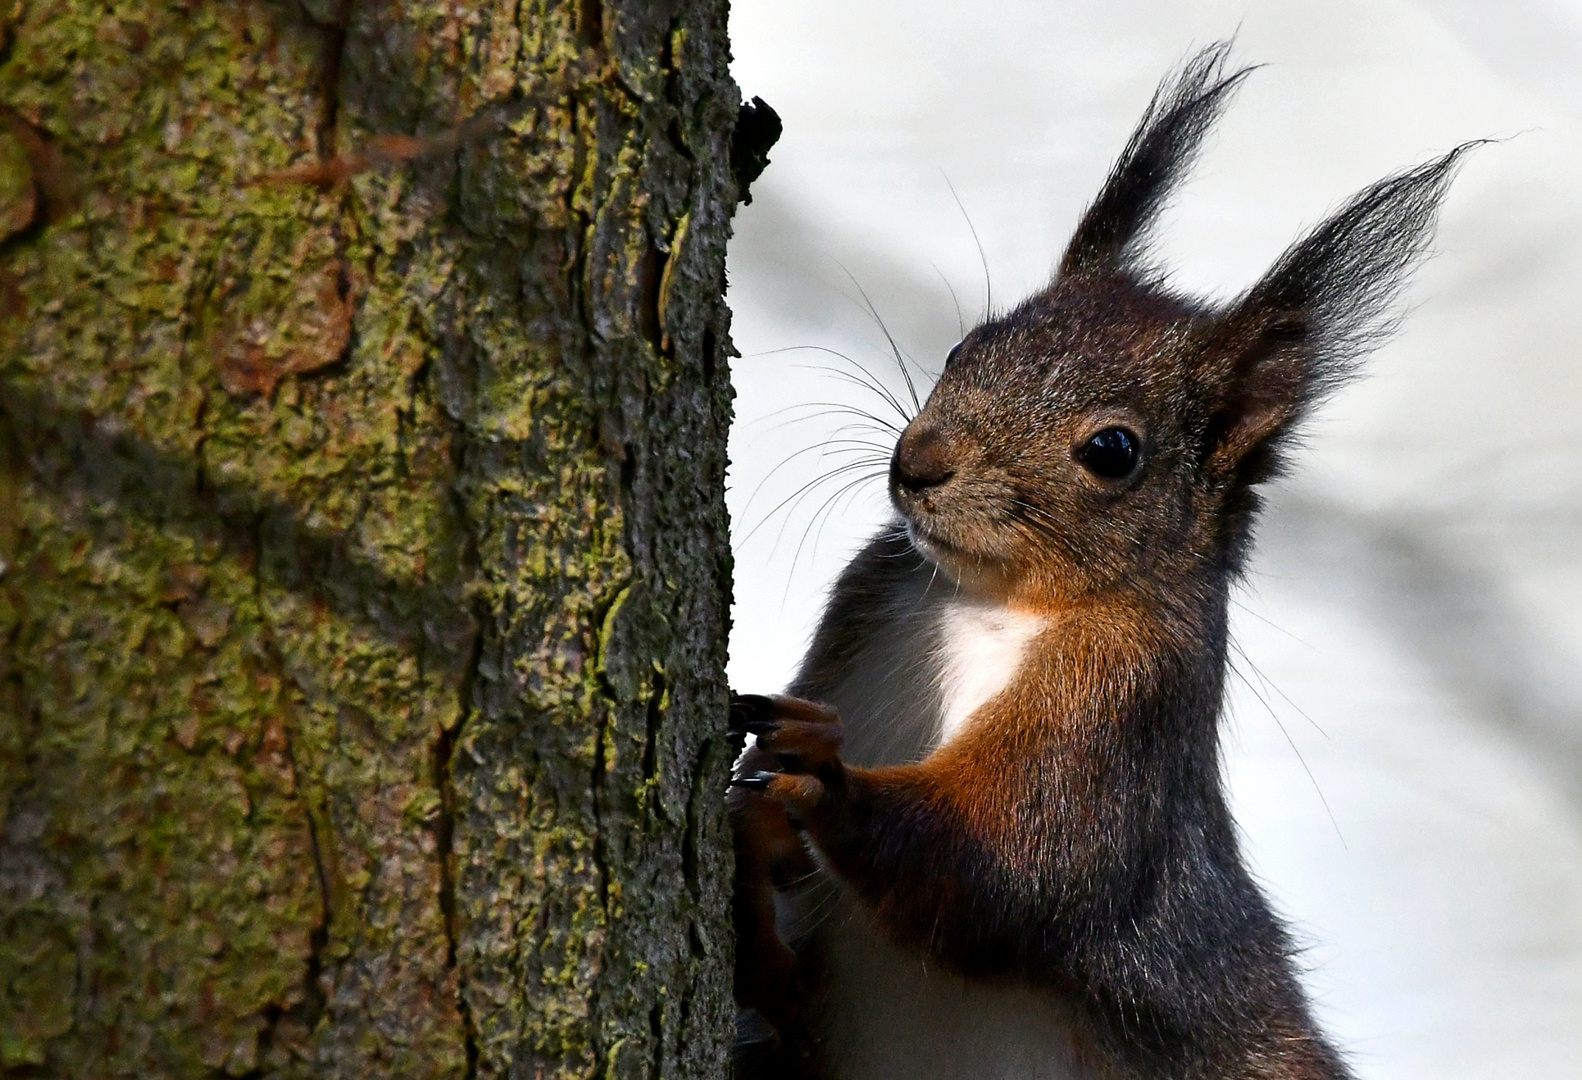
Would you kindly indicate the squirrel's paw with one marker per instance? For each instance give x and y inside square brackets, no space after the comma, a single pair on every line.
[802,736]
[797,759]
[801,796]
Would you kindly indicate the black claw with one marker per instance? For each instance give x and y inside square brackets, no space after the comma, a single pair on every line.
[749,709]
[758,781]
[758,726]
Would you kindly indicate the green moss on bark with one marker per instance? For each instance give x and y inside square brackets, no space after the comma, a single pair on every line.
[363,564]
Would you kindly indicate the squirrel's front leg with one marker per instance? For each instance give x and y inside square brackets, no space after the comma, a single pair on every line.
[890,834]
[801,740]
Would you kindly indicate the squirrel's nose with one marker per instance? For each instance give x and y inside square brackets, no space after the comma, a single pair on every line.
[921,461]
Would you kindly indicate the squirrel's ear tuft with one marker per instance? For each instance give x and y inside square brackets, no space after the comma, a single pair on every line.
[1298,333]
[1158,155]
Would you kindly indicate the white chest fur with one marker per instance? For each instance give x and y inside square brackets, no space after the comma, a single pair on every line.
[981,647]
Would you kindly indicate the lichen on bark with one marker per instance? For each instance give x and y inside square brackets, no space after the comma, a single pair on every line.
[363,561]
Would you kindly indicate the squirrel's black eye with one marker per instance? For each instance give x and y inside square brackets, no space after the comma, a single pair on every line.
[1110,454]
[951,355]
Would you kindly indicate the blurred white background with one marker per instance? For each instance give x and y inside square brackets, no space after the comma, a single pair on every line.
[1406,744]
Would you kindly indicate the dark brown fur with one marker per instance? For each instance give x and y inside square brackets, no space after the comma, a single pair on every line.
[1075,835]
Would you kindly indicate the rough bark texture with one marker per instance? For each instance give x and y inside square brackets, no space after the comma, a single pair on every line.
[363,561]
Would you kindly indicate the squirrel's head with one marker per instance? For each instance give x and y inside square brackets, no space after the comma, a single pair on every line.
[1108,430]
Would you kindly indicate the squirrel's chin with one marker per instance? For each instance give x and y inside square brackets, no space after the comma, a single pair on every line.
[966,570]
[941,553]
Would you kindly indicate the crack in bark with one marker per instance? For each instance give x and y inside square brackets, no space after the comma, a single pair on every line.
[444,839]
[654,717]
[656,1032]
[327,132]
[689,838]
[311,1007]
[447,741]
[600,857]
[600,851]
[313,1000]
[590,23]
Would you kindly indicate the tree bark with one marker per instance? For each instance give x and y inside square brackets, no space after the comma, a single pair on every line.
[363,556]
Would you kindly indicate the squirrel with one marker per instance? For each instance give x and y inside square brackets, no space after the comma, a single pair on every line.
[985,832]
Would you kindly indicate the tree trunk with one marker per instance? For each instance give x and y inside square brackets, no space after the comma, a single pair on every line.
[363,559]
